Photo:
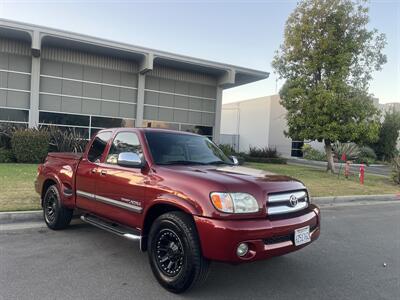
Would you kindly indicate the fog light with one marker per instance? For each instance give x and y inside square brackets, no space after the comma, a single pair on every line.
[242,249]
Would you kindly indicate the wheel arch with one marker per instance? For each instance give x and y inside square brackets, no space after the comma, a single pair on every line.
[153,212]
[46,184]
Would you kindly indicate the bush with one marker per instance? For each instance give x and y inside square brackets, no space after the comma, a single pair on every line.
[265,152]
[366,156]
[351,150]
[6,131]
[266,160]
[30,145]
[6,155]
[67,140]
[313,154]
[396,169]
[385,147]
[227,149]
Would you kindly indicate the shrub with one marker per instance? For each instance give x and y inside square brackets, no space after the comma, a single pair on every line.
[266,160]
[366,156]
[265,152]
[385,147]
[6,155]
[396,169]
[67,140]
[227,149]
[6,131]
[313,154]
[30,145]
[351,150]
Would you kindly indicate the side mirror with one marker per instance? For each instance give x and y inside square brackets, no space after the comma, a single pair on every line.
[234,160]
[130,160]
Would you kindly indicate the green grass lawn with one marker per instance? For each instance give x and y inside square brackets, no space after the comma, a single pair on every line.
[17,190]
[321,183]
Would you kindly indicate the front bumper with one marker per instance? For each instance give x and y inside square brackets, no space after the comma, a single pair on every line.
[266,238]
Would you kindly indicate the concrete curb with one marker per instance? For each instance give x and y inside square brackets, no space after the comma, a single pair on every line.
[21,216]
[331,200]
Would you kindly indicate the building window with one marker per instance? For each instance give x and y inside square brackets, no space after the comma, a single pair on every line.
[101,122]
[297,147]
[202,130]
[85,125]
[64,119]
[163,125]
[8,115]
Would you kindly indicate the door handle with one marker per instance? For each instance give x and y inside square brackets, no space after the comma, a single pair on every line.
[93,170]
[103,172]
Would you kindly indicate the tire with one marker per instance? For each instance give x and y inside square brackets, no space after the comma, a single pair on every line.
[174,235]
[55,215]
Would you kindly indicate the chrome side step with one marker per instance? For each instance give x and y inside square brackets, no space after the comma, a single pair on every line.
[118,229]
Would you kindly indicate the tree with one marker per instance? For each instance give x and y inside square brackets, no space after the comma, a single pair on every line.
[385,147]
[327,60]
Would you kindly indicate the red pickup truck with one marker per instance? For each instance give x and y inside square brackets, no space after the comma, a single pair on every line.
[181,198]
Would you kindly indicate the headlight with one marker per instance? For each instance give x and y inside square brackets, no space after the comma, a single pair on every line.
[238,203]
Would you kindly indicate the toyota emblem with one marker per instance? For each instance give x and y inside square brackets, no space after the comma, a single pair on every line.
[293,200]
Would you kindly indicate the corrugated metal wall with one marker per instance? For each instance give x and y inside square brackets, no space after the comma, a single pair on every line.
[180,97]
[86,85]
[15,80]
[82,83]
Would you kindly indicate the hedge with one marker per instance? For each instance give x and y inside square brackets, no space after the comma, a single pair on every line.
[278,160]
[6,156]
[30,145]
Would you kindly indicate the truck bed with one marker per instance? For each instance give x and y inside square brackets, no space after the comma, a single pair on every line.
[62,166]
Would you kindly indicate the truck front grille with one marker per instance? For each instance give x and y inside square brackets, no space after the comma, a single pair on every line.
[286,203]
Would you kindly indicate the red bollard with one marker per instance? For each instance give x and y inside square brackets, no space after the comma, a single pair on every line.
[362,171]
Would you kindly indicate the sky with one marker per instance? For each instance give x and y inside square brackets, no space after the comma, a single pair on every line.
[243,33]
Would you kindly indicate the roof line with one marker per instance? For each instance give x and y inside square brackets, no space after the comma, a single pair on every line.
[127,47]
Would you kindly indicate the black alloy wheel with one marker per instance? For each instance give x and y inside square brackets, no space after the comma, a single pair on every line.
[55,214]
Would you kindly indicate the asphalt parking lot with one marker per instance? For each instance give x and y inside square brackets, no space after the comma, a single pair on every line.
[83,262]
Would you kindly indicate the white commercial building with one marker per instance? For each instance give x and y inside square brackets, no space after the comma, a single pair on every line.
[258,122]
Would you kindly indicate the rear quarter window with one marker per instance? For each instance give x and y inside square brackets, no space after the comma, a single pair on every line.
[98,146]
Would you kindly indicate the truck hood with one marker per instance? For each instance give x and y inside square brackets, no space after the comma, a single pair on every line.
[236,179]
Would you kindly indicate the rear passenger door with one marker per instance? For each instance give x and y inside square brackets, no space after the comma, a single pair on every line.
[87,172]
[122,189]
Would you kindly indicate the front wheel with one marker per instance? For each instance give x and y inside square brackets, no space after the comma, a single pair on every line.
[175,254]
[55,215]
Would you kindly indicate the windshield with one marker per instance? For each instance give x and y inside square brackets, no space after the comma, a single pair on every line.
[170,148]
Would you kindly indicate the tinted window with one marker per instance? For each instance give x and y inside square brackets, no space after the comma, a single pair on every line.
[14,115]
[202,130]
[98,146]
[63,119]
[175,148]
[158,124]
[124,142]
[111,122]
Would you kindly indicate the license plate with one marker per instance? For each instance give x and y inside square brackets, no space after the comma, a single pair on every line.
[302,236]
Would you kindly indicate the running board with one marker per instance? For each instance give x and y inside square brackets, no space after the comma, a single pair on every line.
[118,229]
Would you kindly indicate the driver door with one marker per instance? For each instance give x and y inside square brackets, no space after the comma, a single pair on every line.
[122,189]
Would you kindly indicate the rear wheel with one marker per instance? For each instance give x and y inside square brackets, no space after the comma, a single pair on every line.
[55,215]
[175,254]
